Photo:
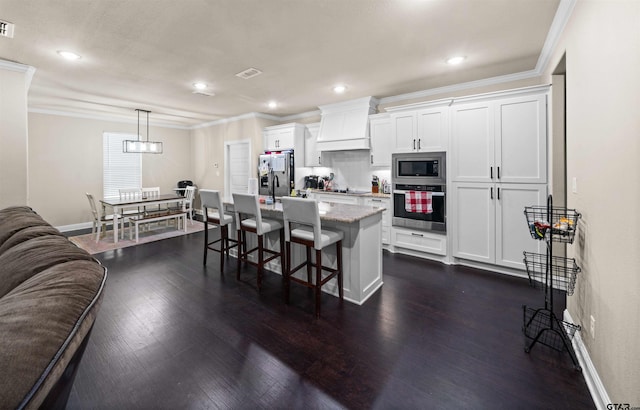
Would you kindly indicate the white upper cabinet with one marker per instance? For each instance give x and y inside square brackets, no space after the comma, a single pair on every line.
[502,140]
[404,130]
[521,139]
[312,157]
[283,137]
[472,142]
[433,129]
[382,144]
[418,130]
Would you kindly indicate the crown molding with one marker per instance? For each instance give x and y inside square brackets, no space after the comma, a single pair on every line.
[460,87]
[563,13]
[230,119]
[103,118]
[13,66]
[560,20]
[308,114]
[565,8]
[28,70]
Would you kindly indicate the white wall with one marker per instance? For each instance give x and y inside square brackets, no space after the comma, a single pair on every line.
[65,162]
[602,43]
[208,145]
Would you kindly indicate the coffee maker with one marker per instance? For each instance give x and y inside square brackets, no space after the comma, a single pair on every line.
[311,181]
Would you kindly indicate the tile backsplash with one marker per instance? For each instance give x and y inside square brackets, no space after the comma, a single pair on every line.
[352,169]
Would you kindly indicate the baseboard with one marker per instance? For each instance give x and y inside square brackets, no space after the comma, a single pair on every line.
[75,227]
[591,377]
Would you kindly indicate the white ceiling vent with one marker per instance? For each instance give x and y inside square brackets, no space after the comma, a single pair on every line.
[6,29]
[249,73]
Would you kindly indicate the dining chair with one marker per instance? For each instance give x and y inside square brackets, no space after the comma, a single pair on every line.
[302,226]
[152,192]
[130,193]
[187,204]
[213,212]
[249,219]
[100,220]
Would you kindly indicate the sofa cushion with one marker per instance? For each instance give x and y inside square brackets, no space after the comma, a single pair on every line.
[34,256]
[16,218]
[26,234]
[43,320]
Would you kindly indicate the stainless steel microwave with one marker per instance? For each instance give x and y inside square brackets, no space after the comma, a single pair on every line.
[424,168]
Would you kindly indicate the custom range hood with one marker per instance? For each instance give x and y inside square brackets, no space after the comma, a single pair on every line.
[345,126]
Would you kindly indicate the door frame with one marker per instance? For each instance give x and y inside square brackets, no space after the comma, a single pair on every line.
[227,163]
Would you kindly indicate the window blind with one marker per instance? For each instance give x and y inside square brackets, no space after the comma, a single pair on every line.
[120,170]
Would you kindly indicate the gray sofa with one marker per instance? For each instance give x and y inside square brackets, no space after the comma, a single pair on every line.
[50,292]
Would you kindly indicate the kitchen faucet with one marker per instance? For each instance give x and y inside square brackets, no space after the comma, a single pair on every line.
[274,180]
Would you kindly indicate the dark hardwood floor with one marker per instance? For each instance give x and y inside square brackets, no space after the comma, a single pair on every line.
[172,334]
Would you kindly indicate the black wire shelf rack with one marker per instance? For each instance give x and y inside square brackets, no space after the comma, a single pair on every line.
[543,221]
[550,273]
[543,327]
[563,271]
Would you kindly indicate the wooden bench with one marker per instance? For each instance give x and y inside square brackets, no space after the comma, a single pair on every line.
[137,220]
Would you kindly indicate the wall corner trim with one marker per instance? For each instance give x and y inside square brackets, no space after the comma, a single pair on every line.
[594,383]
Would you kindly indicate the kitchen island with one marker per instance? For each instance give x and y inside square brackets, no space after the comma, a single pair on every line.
[361,246]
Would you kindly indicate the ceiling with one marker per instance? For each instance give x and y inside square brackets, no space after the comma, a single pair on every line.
[148,53]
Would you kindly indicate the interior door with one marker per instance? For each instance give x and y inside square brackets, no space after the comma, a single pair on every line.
[238,167]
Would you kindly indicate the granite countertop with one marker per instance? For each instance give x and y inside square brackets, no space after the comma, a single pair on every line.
[329,211]
[353,193]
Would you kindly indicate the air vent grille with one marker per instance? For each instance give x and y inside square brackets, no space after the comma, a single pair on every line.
[6,29]
[249,73]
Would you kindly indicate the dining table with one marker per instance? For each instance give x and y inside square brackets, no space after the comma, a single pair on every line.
[118,206]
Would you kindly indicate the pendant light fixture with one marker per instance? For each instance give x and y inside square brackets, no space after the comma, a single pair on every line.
[142,147]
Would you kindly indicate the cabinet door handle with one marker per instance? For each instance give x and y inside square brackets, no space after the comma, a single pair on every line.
[498,193]
[417,234]
[376,200]
[319,159]
[419,143]
[498,175]
[491,192]
[372,158]
[491,172]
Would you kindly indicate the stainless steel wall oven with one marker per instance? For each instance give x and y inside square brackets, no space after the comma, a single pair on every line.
[420,172]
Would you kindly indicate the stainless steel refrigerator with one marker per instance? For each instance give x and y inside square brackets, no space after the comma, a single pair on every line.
[276,173]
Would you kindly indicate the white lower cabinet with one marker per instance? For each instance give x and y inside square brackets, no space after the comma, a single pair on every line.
[420,241]
[338,198]
[488,223]
[386,216]
[365,201]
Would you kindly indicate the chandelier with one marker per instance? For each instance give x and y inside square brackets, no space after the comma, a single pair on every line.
[142,147]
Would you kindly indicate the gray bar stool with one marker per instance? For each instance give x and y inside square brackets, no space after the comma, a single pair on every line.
[304,215]
[213,212]
[249,219]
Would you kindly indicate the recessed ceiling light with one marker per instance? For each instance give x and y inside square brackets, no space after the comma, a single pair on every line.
[272,104]
[69,55]
[200,86]
[456,60]
[339,89]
